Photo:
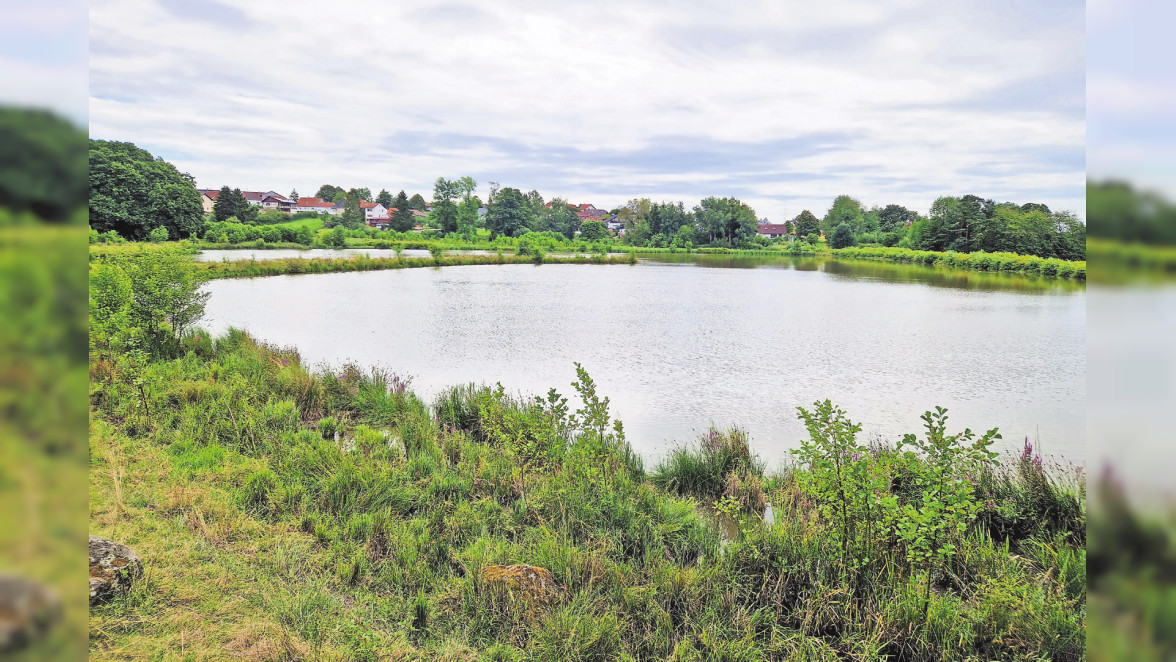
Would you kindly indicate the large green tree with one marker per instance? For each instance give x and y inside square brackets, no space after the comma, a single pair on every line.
[42,163]
[725,219]
[560,217]
[665,218]
[806,223]
[893,218]
[417,202]
[353,217]
[329,192]
[844,210]
[133,192]
[402,219]
[509,214]
[444,212]
[384,198]
[593,231]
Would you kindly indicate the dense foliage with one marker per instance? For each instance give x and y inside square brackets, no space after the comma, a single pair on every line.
[231,204]
[133,192]
[42,164]
[971,224]
[1118,211]
[978,261]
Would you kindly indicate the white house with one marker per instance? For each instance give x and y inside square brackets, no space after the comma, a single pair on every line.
[373,212]
[316,205]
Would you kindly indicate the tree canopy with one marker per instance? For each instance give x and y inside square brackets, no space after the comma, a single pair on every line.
[844,210]
[353,216]
[402,219]
[509,214]
[42,163]
[231,203]
[806,223]
[133,192]
[329,192]
[725,219]
[560,217]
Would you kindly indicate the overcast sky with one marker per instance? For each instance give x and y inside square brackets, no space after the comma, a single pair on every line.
[782,104]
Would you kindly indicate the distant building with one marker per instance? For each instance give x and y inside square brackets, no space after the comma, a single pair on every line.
[374,212]
[263,199]
[316,205]
[272,200]
[772,230]
[207,199]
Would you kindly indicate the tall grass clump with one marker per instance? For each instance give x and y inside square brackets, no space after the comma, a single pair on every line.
[720,464]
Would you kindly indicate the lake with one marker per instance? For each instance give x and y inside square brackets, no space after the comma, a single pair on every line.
[680,341]
[238,254]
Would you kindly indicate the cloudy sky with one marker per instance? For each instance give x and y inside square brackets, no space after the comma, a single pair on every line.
[43,55]
[1131,91]
[782,104]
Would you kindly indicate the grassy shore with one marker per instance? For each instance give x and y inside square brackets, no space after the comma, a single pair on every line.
[284,514]
[1003,262]
[250,268]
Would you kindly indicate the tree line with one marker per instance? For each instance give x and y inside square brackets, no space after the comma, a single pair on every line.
[133,193]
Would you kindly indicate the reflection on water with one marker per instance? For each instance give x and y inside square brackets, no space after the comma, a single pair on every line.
[1132,388]
[676,345]
[237,254]
[882,271]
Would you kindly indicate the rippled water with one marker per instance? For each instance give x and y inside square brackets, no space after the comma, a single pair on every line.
[682,341]
[236,254]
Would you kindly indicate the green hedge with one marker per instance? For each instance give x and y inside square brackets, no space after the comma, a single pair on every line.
[979,261]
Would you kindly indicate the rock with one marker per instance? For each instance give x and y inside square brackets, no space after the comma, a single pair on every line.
[27,610]
[528,582]
[113,567]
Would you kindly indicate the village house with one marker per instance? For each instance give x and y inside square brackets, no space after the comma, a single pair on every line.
[316,205]
[207,199]
[273,200]
[374,212]
[772,230]
[263,199]
[588,212]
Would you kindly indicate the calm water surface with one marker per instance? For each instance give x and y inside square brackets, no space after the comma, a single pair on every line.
[237,254]
[681,341]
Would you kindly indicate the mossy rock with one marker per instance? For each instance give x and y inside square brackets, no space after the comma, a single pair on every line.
[113,568]
[27,610]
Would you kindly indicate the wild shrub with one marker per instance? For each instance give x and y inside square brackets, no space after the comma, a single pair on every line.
[851,489]
[931,525]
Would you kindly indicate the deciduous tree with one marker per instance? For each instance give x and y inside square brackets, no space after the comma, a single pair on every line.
[509,214]
[132,192]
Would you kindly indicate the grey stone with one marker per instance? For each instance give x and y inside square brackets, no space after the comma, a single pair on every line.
[27,610]
[113,568]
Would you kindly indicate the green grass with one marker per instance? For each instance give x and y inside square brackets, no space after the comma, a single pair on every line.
[266,538]
[312,223]
[252,268]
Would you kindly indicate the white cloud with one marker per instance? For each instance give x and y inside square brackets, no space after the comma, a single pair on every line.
[783,104]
